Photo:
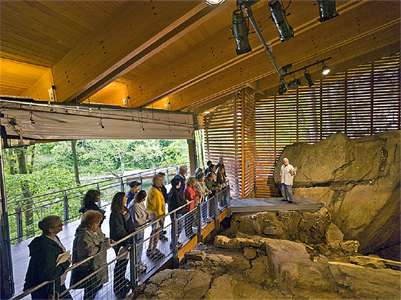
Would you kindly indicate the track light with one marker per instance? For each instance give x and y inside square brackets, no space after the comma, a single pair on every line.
[240,32]
[327,9]
[282,89]
[294,83]
[325,70]
[308,78]
[280,20]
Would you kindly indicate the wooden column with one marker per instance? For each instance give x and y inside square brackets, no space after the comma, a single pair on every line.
[192,155]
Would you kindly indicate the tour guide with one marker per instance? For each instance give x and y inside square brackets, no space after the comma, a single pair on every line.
[287,174]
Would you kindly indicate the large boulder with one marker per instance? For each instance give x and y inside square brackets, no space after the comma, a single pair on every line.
[359,182]
[177,284]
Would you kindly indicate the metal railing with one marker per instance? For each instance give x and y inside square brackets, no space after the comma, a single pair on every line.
[181,226]
[67,202]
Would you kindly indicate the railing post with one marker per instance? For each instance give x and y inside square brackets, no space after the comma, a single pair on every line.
[66,208]
[122,185]
[140,177]
[167,179]
[18,219]
[55,290]
[199,221]
[133,264]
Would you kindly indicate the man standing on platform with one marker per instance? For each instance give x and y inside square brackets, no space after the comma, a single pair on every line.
[287,174]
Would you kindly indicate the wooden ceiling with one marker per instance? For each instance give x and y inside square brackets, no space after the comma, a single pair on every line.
[176,55]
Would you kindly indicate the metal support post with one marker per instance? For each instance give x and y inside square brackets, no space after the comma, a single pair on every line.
[122,185]
[66,208]
[6,267]
[199,221]
[18,219]
[133,264]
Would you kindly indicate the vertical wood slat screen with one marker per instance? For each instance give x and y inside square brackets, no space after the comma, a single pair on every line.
[229,133]
[361,101]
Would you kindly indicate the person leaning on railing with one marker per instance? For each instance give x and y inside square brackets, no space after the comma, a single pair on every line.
[49,260]
[192,198]
[156,208]
[90,241]
[140,217]
[175,200]
[121,225]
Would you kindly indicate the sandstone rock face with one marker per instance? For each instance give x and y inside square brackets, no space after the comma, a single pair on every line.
[282,269]
[188,284]
[359,182]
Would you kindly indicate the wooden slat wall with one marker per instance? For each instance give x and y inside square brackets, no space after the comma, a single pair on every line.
[230,133]
[251,132]
[361,101]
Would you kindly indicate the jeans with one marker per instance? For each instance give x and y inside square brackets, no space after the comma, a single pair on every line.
[286,192]
[139,245]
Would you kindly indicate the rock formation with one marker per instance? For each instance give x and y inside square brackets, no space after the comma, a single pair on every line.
[273,269]
[359,182]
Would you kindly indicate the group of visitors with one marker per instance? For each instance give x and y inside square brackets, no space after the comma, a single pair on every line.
[49,259]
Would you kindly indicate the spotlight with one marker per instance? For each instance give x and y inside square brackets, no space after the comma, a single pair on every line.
[280,20]
[294,83]
[327,9]
[325,70]
[282,89]
[214,2]
[240,32]
[308,78]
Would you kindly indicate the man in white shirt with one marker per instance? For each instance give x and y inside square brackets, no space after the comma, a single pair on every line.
[287,174]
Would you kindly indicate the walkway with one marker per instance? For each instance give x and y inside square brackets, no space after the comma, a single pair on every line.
[20,252]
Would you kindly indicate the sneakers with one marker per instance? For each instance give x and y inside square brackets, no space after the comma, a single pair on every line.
[142,267]
[163,238]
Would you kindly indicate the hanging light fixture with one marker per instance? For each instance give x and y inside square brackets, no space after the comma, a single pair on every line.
[282,89]
[308,78]
[240,32]
[327,9]
[280,20]
[325,70]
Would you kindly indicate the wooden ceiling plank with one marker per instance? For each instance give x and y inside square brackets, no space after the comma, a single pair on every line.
[288,52]
[217,53]
[98,55]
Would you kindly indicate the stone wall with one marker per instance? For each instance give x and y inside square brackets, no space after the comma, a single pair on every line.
[359,182]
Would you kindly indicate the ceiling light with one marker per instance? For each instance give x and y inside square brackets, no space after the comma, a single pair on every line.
[280,19]
[308,78]
[240,32]
[325,70]
[214,2]
[327,9]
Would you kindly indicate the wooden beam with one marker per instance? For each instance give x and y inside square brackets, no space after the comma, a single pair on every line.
[134,31]
[217,54]
[322,41]
[40,90]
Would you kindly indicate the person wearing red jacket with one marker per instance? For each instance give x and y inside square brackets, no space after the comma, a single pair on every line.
[192,197]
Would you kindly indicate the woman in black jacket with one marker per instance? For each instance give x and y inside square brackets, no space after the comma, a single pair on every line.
[175,200]
[49,260]
[121,225]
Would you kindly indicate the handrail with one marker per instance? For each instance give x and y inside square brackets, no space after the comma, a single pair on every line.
[130,236]
[94,183]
